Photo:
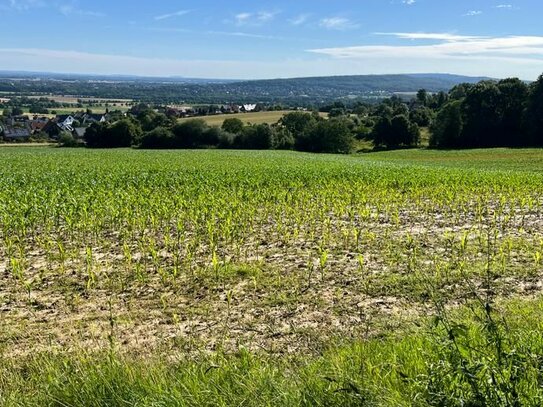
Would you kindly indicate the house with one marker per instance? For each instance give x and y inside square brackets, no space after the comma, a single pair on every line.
[249,107]
[52,129]
[15,120]
[231,109]
[180,111]
[79,132]
[90,118]
[37,124]
[13,133]
[65,120]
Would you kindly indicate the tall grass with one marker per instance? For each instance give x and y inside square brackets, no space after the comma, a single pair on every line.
[431,365]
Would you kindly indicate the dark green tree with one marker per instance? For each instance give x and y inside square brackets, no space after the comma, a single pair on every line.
[233,125]
[190,134]
[330,136]
[513,99]
[447,127]
[422,97]
[534,114]
[159,137]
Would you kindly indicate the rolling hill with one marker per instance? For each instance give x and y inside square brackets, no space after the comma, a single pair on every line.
[295,91]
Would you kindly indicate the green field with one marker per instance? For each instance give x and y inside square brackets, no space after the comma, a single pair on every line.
[247,278]
[252,118]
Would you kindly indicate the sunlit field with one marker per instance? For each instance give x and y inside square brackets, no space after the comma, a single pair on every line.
[270,117]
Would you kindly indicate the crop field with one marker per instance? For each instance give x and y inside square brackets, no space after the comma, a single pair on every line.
[76,99]
[98,109]
[270,278]
[253,118]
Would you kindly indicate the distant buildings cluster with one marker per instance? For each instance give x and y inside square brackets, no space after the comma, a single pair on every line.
[190,111]
[25,127]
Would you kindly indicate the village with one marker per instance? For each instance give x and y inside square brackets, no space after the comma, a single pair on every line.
[23,128]
[40,127]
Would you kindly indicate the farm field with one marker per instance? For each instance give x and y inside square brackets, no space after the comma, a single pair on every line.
[70,110]
[253,118]
[254,278]
[94,108]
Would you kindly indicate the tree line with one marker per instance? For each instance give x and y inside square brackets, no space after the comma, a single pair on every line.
[507,113]
[146,128]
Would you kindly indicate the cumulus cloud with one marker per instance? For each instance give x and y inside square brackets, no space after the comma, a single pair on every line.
[446,46]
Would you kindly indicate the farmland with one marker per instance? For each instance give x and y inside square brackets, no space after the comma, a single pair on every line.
[268,117]
[270,278]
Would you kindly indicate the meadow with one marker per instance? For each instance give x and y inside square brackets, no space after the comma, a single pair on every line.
[270,117]
[249,278]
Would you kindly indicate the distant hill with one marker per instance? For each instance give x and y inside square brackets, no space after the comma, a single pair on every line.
[357,84]
[295,91]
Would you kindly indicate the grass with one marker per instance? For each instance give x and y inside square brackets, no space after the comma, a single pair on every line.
[396,370]
[270,278]
[253,118]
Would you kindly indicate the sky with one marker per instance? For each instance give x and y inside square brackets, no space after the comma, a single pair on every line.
[279,39]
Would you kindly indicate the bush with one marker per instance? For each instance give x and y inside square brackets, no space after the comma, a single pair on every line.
[255,137]
[282,139]
[330,136]
[190,134]
[67,140]
[160,137]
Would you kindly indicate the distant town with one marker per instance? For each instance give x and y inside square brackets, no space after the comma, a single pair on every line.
[18,126]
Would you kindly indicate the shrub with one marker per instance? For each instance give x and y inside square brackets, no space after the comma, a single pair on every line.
[160,137]
[67,140]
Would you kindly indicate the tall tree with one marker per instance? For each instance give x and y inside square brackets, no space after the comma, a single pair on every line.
[483,112]
[513,98]
[447,126]
[534,114]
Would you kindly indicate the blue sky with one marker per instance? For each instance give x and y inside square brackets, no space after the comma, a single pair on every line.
[263,39]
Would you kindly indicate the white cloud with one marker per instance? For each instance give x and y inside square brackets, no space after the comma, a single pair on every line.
[409,2]
[299,20]
[504,6]
[337,23]
[264,16]
[472,13]
[70,9]
[22,5]
[448,46]
[432,36]
[244,34]
[170,15]
[258,18]
[242,18]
